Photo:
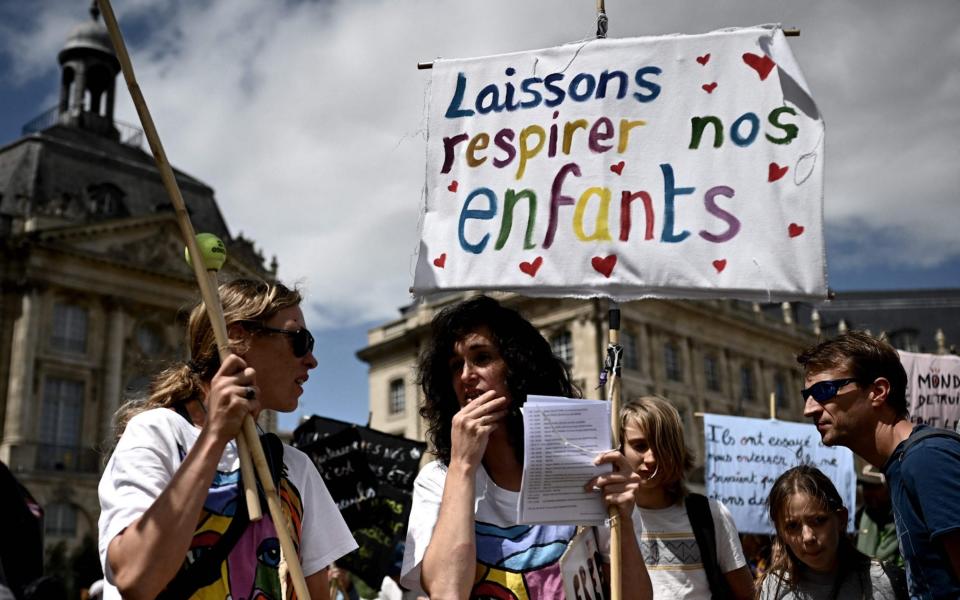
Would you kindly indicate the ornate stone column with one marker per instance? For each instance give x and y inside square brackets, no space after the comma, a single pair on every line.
[113,371]
[20,391]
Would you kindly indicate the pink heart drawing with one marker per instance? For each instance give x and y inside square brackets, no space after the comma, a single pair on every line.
[709,87]
[617,168]
[453,186]
[720,265]
[761,64]
[531,268]
[794,230]
[775,171]
[440,261]
[605,265]
[704,59]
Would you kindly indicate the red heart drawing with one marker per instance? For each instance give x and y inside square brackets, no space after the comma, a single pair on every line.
[761,64]
[709,87]
[775,171]
[617,168]
[604,266]
[704,59]
[794,230]
[442,260]
[720,265]
[531,268]
[453,186]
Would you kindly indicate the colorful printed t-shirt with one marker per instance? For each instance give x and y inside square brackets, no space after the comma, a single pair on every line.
[147,456]
[514,562]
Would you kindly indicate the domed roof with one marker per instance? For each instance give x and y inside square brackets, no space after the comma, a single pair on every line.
[89,36]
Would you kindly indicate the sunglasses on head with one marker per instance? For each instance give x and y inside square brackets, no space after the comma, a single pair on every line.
[825,390]
[301,339]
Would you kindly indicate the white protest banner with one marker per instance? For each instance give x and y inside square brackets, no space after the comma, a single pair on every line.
[933,388]
[745,456]
[678,166]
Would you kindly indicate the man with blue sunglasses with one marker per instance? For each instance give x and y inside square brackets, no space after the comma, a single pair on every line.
[856,396]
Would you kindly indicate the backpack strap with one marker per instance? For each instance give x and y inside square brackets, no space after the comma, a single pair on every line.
[924,434]
[701,520]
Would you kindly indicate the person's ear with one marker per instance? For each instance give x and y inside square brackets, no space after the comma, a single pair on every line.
[880,390]
[237,335]
[843,515]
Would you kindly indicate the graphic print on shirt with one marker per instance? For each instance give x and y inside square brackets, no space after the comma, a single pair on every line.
[241,575]
[670,551]
[520,562]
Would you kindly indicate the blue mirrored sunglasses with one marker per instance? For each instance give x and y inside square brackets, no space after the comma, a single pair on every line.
[825,390]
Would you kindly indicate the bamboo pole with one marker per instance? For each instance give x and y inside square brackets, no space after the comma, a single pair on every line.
[211,298]
[794,32]
[616,529]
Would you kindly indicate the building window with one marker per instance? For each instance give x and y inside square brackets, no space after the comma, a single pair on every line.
[629,344]
[149,339]
[746,384]
[138,387]
[397,400]
[780,389]
[671,362]
[562,347]
[60,424]
[106,200]
[60,519]
[69,327]
[905,339]
[711,372]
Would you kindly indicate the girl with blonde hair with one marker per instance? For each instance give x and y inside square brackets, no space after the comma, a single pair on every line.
[689,544]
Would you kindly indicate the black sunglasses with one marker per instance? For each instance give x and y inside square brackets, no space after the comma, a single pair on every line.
[301,338]
[825,390]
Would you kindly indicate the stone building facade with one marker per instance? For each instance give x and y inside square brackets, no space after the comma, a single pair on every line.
[719,356]
[94,290]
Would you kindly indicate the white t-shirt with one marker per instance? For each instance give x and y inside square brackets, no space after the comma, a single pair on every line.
[670,549]
[146,458]
[528,561]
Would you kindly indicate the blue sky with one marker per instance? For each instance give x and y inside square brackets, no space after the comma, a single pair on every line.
[318,107]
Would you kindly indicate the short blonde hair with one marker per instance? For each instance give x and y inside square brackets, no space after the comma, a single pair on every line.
[661,424]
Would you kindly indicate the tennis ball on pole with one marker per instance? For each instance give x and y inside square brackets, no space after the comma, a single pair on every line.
[212,250]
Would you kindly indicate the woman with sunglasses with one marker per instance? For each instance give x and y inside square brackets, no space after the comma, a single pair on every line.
[173,523]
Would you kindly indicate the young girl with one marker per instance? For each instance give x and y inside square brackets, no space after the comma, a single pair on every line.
[651,435]
[812,557]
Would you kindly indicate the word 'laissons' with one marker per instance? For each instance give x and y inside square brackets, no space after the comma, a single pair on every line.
[483,204]
[551,90]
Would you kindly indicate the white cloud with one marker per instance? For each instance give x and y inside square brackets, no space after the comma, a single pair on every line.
[307,117]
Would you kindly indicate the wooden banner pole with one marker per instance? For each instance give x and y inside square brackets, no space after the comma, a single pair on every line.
[211,299]
[795,32]
[616,529]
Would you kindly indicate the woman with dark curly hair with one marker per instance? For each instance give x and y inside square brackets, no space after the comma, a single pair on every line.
[463,538]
